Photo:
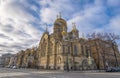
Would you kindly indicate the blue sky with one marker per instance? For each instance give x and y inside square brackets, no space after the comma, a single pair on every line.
[22,22]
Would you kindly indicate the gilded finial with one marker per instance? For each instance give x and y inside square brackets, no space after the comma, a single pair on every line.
[57,16]
[63,32]
[74,25]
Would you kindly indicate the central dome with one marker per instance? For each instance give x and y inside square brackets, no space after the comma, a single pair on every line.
[60,21]
[60,27]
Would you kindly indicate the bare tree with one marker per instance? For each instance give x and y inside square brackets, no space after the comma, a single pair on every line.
[93,37]
[110,38]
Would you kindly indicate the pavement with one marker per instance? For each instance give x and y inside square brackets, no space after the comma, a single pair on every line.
[33,73]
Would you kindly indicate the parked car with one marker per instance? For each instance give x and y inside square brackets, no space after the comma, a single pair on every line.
[113,69]
[117,69]
[8,66]
[14,67]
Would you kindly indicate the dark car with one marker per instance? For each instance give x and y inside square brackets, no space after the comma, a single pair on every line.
[113,69]
[117,69]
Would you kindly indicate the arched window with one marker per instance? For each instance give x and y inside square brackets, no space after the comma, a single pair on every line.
[51,48]
[82,50]
[43,48]
[68,49]
[58,48]
[75,50]
[59,60]
[63,49]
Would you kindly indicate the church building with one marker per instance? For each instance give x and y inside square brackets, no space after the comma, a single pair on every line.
[63,50]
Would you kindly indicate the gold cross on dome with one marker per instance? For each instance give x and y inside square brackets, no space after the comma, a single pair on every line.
[74,25]
[59,15]
[83,35]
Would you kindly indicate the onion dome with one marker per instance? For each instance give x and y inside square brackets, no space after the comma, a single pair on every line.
[64,33]
[60,20]
[74,30]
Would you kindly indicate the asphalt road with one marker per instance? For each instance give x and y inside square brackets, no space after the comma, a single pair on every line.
[32,73]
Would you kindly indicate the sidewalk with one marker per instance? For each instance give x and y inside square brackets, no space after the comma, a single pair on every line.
[61,71]
[88,71]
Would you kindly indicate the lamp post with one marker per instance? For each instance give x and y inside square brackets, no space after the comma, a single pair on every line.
[67,54]
[67,61]
[89,56]
[67,58]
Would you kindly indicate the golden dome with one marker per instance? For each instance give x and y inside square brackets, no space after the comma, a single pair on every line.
[64,33]
[60,20]
[74,30]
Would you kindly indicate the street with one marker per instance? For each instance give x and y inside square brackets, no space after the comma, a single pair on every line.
[33,73]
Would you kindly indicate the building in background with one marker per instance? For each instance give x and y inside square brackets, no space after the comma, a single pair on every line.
[27,58]
[104,53]
[13,61]
[1,62]
[5,59]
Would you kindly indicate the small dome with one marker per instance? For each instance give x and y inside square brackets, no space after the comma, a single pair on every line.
[64,33]
[74,30]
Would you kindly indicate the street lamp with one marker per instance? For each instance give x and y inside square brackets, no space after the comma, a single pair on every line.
[89,56]
[67,63]
[67,56]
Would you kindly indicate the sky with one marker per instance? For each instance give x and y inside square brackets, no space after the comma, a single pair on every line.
[22,22]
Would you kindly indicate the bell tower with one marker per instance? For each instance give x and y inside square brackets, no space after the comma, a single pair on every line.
[75,32]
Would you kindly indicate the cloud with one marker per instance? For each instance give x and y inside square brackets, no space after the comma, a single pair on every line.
[90,19]
[113,3]
[113,25]
[16,30]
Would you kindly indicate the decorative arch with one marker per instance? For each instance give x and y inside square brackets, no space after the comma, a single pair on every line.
[51,47]
[43,47]
[59,59]
[59,47]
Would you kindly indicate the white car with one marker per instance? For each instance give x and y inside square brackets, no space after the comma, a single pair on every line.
[14,67]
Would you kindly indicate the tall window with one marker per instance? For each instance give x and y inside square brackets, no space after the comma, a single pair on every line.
[58,29]
[68,49]
[58,48]
[63,49]
[43,48]
[51,48]
[59,60]
[86,51]
[75,50]
[82,50]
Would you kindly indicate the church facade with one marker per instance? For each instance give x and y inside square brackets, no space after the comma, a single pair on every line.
[64,50]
